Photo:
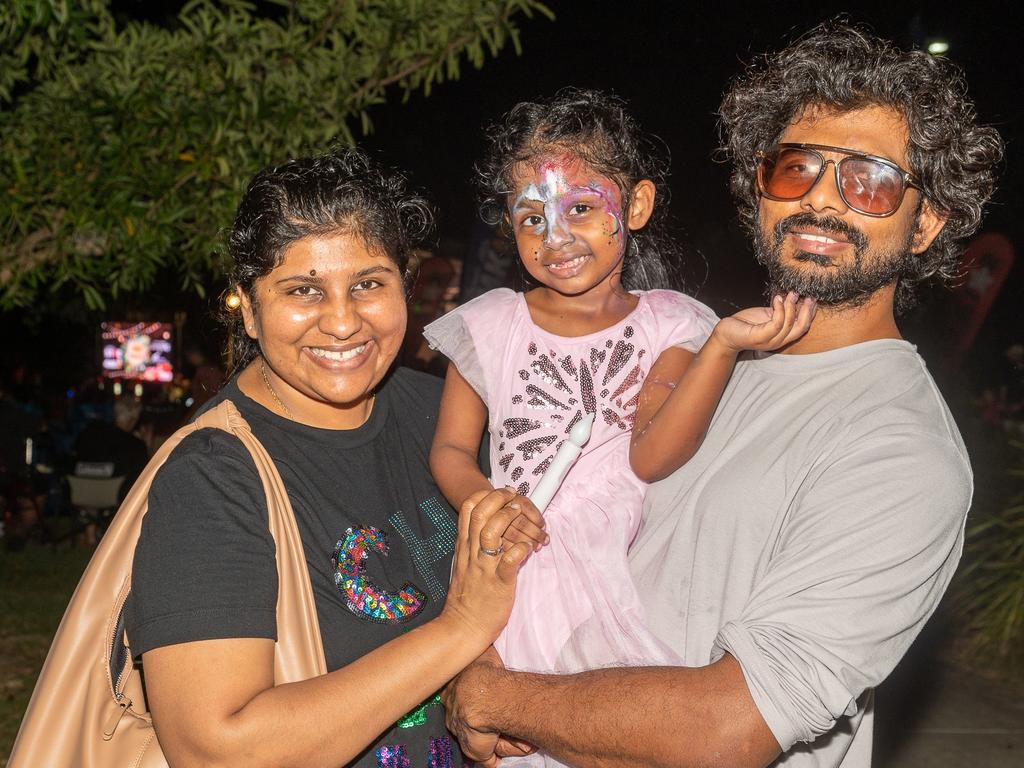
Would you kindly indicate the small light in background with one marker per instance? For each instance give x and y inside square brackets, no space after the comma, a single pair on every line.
[138,390]
[938,47]
[117,389]
[232,301]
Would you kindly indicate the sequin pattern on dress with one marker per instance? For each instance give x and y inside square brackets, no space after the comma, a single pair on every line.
[560,388]
[362,597]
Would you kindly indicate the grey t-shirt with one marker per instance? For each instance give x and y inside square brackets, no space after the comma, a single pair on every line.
[811,537]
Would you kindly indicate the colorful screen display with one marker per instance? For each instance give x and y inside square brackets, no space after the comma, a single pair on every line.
[137,351]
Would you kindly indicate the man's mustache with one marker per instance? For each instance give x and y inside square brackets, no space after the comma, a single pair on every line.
[830,224]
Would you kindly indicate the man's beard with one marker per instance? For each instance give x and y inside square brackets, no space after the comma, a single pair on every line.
[839,284]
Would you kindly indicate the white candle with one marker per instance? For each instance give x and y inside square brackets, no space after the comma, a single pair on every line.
[564,458]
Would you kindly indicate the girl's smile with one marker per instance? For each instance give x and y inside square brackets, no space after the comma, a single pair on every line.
[568,225]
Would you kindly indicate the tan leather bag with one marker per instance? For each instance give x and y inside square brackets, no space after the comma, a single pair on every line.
[88,708]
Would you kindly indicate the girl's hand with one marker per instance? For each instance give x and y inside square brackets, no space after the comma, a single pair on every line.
[525,528]
[767,328]
[484,573]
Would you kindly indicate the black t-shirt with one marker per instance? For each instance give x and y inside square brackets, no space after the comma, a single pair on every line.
[205,563]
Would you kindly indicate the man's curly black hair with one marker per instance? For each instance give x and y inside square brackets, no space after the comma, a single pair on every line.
[340,192]
[843,68]
[596,128]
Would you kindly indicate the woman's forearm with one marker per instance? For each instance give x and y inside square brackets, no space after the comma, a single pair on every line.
[325,721]
[352,706]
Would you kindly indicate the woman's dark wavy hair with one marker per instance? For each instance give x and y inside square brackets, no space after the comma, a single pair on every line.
[594,127]
[843,68]
[343,191]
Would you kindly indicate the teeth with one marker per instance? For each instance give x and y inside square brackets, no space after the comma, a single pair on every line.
[338,356]
[816,238]
[572,263]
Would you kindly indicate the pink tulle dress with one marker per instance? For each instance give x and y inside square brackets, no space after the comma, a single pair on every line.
[576,607]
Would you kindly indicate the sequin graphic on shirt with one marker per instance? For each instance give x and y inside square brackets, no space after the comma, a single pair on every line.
[393,756]
[397,755]
[433,549]
[362,597]
[604,380]
[440,753]
[419,715]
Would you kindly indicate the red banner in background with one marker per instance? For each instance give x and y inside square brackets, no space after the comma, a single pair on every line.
[986,265]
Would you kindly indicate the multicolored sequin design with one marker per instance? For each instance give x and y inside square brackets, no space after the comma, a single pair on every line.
[435,548]
[397,755]
[605,380]
[393,756]
[362,597]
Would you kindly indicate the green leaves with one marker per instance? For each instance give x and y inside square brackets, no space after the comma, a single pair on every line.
[126,145]
[989,589]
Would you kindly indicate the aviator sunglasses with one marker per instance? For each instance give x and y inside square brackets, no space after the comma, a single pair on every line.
[867,184]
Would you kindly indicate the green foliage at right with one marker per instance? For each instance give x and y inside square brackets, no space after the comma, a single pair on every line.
[989,589]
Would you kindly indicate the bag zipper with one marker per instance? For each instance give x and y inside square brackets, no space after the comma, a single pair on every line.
[122,660]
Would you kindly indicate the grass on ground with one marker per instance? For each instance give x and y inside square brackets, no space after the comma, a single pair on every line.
[35,586]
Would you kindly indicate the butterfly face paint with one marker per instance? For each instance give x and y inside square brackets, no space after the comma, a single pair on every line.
[568,223]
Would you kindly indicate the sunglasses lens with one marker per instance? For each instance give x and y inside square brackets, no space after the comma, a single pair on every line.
[787,174]
[870,186]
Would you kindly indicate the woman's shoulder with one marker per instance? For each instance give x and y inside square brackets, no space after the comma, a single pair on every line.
[210,462]
[422,390]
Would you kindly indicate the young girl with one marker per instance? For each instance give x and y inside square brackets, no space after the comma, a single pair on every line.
[574,179]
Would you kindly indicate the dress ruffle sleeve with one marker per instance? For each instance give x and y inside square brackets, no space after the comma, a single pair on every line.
[473,337]
[681,320]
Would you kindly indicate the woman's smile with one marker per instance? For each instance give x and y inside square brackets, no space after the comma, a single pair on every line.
[329,319]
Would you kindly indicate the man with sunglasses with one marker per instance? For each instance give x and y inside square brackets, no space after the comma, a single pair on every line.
[792,561]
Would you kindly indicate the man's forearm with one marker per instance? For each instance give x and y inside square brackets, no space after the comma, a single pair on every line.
[655,716]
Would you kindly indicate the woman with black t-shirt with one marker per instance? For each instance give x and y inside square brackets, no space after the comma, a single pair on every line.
[320,248]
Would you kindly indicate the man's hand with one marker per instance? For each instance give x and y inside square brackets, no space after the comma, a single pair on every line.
[463,700]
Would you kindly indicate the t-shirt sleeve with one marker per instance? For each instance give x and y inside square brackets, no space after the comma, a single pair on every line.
[681,320]
[473,337]
[860,565]
[205,565]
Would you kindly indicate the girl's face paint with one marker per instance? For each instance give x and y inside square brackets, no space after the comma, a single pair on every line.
[568,225]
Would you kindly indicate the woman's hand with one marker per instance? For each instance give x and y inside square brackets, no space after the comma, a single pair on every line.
[767,328]
[487,561]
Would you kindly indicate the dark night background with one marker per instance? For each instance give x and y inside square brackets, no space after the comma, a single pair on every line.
[671,62]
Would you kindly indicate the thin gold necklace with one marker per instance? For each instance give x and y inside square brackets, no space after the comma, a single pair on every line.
[273,394]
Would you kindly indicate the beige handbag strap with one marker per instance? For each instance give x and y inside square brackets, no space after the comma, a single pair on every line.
[299,652]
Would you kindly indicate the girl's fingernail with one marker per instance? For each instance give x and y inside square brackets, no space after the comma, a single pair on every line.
[514,505]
